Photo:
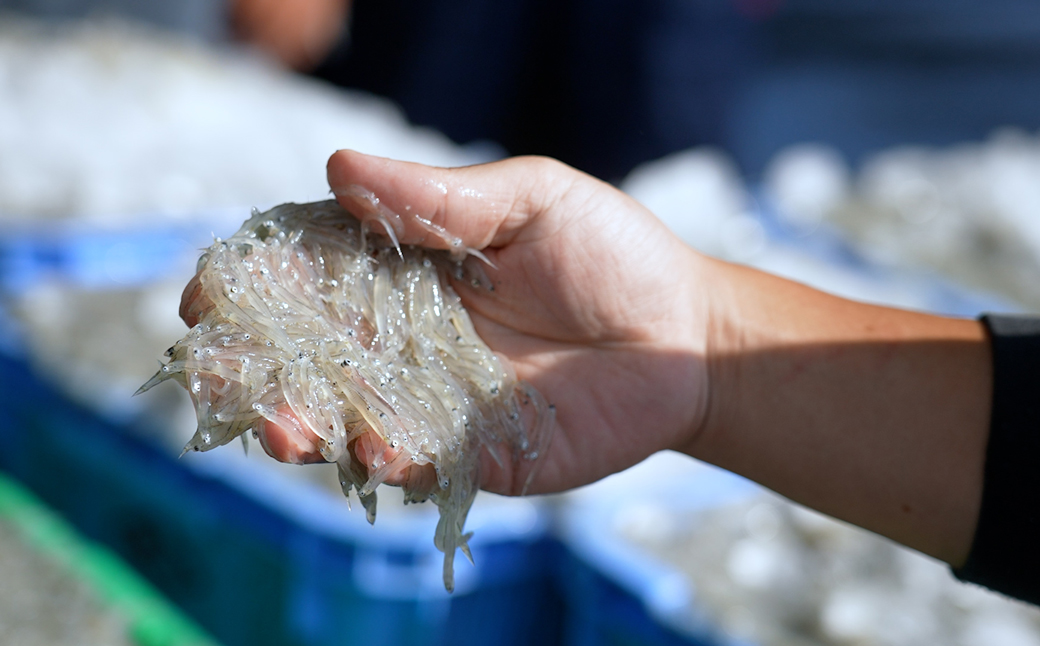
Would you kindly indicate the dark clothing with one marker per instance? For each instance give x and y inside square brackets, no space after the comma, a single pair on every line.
[1005,554]
[606,84]
[600,84]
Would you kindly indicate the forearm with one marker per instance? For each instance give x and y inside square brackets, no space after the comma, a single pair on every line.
[874,415]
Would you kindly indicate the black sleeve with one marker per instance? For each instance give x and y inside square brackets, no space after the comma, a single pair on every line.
[1005,554]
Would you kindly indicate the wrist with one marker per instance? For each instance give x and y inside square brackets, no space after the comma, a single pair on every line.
[723,336]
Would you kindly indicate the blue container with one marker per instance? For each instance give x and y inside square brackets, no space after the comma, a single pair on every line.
[261,560]
[619,595]
[96,257]
[257,558]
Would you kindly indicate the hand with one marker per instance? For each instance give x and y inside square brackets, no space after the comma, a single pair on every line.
[874,415]
[595,303]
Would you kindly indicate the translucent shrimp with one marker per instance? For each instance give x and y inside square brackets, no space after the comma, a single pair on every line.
[308,319]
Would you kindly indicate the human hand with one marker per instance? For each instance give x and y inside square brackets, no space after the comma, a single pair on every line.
[595,303]
[874,415]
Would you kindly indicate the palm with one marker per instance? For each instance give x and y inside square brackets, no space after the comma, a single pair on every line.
[590,304]
[589,322]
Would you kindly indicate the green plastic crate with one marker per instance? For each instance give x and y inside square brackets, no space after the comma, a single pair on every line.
[150,619]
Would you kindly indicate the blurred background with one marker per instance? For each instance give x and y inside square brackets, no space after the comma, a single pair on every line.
[885,151]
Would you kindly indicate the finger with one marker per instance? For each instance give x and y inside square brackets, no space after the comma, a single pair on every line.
[472,207]
[371,446]
[285,439]
[194,303]
[495,477]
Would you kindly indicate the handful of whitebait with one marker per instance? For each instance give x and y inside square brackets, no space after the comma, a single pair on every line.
[313,325]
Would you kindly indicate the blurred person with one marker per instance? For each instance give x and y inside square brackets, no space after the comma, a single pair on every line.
[921,428]
[299,33]
[604,86]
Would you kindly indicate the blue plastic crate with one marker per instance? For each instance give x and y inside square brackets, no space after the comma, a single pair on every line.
[619,595]
[259,559]
[255,557]
[103,257]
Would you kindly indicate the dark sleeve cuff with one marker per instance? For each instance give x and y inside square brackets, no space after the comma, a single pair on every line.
[1005,554]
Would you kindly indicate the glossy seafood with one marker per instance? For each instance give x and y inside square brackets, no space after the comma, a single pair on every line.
[311,322]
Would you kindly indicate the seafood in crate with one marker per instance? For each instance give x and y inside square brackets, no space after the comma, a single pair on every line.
[309,322]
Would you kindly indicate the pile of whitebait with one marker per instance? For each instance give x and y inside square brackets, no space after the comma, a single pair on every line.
[315,324]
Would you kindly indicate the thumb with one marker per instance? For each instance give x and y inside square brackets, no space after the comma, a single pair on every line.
[448,208]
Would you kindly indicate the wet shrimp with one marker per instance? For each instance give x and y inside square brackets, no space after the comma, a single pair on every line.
[360,351]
